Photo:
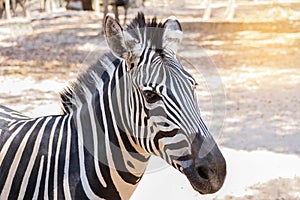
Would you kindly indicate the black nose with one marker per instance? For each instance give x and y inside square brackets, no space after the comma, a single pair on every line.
[211,169]
[203,172]
[208,171]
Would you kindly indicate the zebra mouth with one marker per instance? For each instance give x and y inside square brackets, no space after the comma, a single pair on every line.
[206,173]
[202,179]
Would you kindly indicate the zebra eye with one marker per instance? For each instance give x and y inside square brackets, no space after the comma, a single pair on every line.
[195,85]
[151,96]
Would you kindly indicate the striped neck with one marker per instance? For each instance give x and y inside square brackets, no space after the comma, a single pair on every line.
[102,114]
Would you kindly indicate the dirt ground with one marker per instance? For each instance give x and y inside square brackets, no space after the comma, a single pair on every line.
[256,56]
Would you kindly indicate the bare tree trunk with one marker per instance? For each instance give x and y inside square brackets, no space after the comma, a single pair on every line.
[13,5]
[230,11]
[126,11]
[25,10]
[96,6]
[42,5]
[87,4]
[1,8]
[7,9]
[52,5]
[207,12]
[116,12]
[47,7]
[105,5]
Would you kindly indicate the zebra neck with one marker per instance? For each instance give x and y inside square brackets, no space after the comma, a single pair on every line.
[104,134]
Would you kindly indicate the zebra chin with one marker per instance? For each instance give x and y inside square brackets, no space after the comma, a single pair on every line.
[206,169]
[202,182]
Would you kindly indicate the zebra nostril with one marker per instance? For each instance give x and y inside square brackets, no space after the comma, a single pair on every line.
[203,172]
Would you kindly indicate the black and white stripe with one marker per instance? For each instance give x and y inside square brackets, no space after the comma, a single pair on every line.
[122,110]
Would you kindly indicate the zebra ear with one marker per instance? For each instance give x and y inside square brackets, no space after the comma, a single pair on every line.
[115,37]
[172,34]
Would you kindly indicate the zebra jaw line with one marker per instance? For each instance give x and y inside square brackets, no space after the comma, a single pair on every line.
[134,102]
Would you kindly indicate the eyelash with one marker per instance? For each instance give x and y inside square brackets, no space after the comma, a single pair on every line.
[195,85]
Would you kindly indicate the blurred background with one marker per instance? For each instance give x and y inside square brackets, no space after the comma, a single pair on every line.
[252,45]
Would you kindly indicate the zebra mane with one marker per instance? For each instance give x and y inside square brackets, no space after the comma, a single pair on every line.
[154,31]
[87,80]
[140,22]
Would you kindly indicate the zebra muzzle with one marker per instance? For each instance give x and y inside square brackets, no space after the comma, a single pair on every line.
[206,170]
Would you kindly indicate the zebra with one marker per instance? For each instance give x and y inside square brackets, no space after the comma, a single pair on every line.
[136,101]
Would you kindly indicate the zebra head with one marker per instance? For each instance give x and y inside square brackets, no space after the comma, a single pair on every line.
[167,120]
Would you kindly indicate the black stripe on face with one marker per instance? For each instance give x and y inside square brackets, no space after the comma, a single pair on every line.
[161,135]
[177,145]
[174,100]
[142,57]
